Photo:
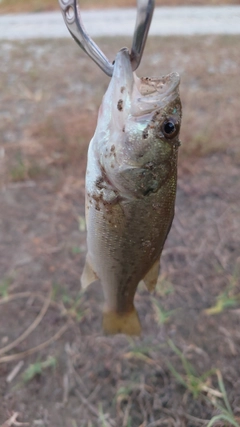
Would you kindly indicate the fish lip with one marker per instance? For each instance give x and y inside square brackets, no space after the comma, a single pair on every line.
[154,93]
[162,85]
[116,102]
[122,71]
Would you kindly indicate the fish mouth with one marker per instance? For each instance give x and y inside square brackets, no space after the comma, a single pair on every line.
[141,95]
[116,102]
[161,86]
[152,93]
[130,96]
[122,72]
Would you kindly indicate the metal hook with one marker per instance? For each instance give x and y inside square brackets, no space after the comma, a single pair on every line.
[72,18]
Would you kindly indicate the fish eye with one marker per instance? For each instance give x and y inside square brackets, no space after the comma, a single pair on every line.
[170,128]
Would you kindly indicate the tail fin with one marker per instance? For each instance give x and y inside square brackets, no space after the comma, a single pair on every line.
[121,323]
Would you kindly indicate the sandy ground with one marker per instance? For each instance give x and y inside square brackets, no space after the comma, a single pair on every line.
[116,22]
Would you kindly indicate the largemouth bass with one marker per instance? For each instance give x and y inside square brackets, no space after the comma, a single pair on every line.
[130,188]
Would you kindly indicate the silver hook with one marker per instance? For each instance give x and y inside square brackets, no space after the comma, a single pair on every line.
[72,18]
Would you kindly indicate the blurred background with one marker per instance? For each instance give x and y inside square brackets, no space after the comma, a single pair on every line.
[8,6]
[56,366]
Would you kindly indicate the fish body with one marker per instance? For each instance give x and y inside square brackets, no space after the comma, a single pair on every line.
[130,188]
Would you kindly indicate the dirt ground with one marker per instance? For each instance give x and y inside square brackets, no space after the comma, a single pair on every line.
[56,366]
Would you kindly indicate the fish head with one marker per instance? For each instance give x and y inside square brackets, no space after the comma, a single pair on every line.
[138,124]
[154,121]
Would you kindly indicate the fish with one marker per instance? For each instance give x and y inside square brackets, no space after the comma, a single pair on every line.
[131,180]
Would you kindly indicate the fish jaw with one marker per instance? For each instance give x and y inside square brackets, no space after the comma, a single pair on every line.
[112,116]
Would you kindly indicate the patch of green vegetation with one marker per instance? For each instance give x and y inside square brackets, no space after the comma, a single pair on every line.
[142,352]
[4,285]
[34,171]
[103,417]
[227,299]
[224,301]
[199,386]
[191,381]
[164,287]
[56,290]
[124,392]
[76,250]
[19,170]
[76,311]
[38,368]
[24,168]
[72,305]
[162,316]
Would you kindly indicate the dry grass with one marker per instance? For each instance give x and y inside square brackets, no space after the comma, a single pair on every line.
[19,6]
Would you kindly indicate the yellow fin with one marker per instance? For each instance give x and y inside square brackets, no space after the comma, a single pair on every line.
[121,323]
[151,277]
[88,275]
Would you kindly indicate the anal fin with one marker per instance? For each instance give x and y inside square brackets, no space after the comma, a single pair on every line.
[88,275]
[151,277]
[121,323]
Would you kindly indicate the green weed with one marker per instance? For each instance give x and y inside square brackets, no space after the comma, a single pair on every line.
[75,310]
[225,411]
[24,168]
[77,250]
[34,171]
[162,316]
[123,393]
[37,368]
[191,381]
[72,306]
[199,385]
[4,285]
[102,417]
[19,170]
[164,287]
[227,299]
[141,352]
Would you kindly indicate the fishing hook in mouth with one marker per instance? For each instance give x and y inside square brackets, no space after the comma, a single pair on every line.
[72,17]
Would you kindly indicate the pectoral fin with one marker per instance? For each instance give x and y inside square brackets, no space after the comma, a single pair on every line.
[151,277]
[88,275]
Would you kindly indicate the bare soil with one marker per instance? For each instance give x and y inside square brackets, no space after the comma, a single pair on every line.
[50,94]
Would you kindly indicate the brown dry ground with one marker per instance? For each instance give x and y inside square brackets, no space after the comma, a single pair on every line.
[50,94]
[19,6]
